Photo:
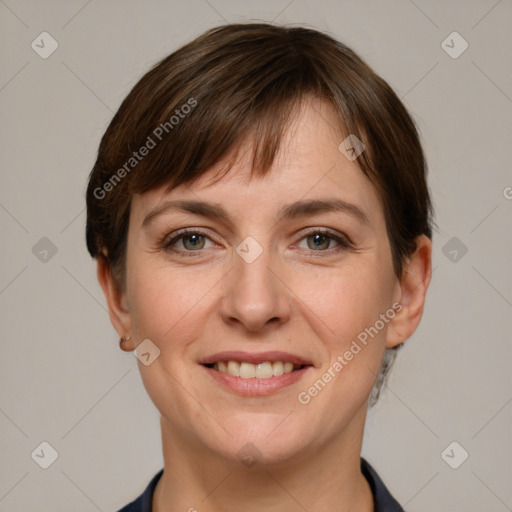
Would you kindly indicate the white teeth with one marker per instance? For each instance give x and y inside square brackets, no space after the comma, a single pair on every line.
[247,371]
[264,370]
[277,368]
[288,367]
[233,368]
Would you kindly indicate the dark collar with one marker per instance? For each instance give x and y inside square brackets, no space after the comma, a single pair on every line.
[384,502]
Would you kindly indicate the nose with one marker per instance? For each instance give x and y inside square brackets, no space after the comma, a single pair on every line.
[256,297]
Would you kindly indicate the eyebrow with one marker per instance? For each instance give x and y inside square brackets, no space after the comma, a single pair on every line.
[294,210]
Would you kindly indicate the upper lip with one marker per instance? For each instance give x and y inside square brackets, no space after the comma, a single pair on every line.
[254,358]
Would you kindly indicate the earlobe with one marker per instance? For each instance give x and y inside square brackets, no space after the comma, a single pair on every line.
[414,283]
[116,301]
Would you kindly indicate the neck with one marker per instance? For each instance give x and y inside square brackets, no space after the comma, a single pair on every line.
[327,478]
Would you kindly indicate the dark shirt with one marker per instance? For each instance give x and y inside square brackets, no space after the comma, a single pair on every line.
[384,502]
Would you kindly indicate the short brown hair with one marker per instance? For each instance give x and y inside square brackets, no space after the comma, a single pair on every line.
[246,80]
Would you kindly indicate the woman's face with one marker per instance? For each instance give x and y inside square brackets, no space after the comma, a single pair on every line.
[264,283]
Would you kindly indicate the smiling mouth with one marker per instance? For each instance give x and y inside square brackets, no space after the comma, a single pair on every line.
[265,370]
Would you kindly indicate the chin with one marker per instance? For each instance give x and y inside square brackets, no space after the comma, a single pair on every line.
[262,441]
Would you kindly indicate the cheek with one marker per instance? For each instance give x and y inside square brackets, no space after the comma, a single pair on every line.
[348,322]
[345,309]
[345,300]
[164,299]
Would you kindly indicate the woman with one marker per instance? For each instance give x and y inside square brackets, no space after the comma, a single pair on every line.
[262,226]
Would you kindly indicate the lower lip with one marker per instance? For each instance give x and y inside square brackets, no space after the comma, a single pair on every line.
[257,387]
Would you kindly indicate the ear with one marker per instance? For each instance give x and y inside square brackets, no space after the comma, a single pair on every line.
[414,283]
[116,302]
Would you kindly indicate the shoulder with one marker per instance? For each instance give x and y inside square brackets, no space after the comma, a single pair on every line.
[143,502]
[384,501]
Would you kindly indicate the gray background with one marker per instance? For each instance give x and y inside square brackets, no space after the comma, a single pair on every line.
[64,379]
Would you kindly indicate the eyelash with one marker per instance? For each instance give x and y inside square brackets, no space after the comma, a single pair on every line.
[167,244]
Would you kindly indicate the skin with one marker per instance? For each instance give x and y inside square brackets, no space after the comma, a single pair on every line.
[292,298]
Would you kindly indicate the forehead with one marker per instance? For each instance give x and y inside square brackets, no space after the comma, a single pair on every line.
[309,165]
